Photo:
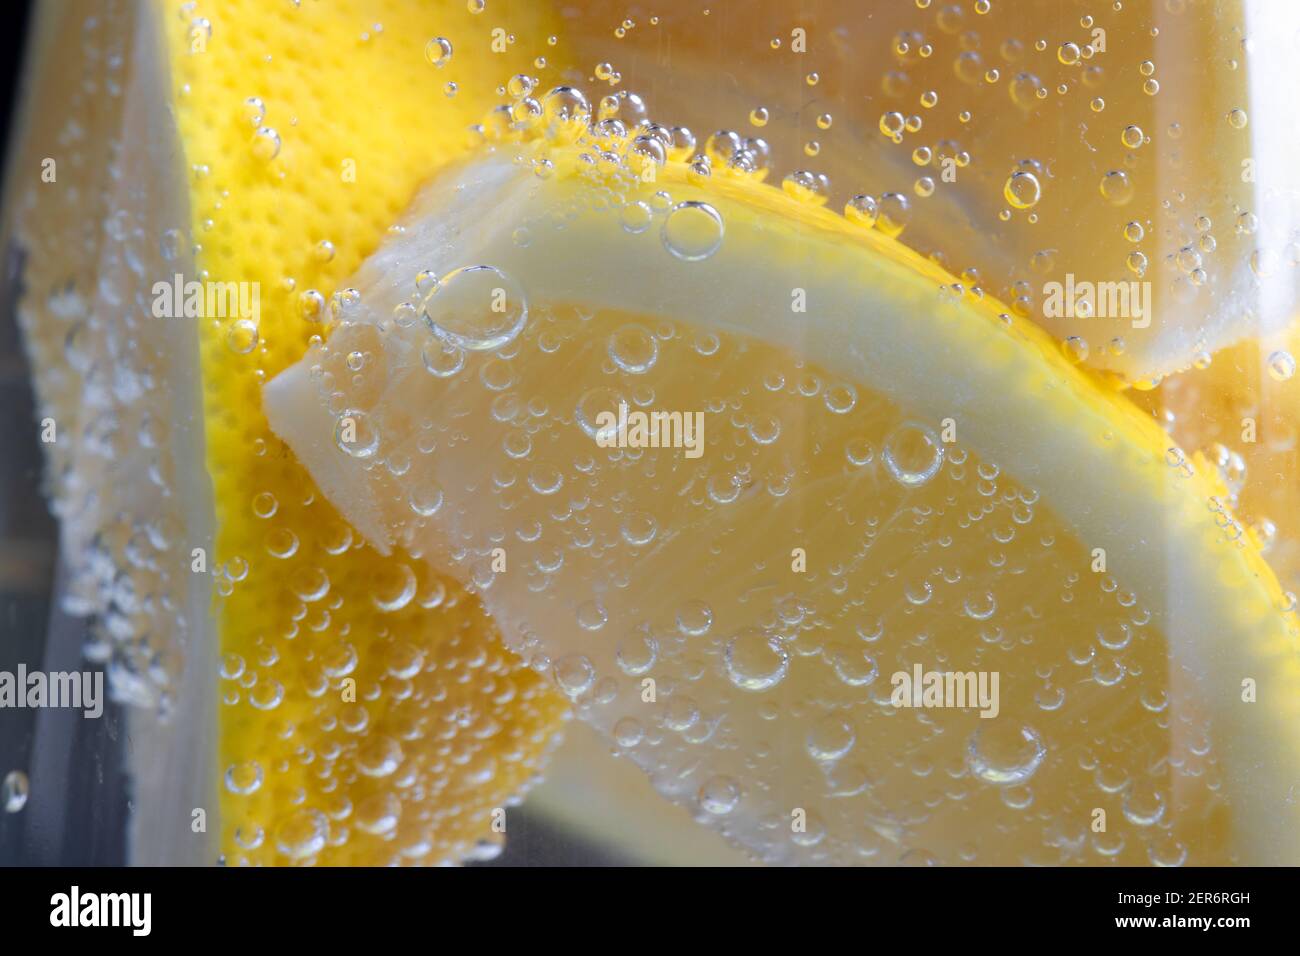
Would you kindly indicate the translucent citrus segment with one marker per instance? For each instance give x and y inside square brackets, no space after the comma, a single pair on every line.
[1241,410]
[861,471]
[118,397]
[369,712]
[1132,158]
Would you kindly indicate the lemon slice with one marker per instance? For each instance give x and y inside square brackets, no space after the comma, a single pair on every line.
[1030,146]
[299,697]
[894,476]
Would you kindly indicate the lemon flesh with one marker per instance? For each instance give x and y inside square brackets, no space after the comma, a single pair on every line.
[301,698]
[894,474]
[1153,143]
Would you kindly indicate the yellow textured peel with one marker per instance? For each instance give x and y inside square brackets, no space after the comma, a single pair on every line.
[368,711]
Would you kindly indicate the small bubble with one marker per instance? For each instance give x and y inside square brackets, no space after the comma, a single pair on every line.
[830,738]
[575,674]
[1022,190]
[171,244]
[719,795]
[281,543]
[303,835]
[355,435]
[912,454]
[241,337]
[637,654]
[592,616]
[14,790]
[894,214]
[634,349]
[755,660]
[425,500]
[639,529]
[694,618]
[476,308]
[1116,187]
[628,732]
[442,359]
[438,51]
[264,504]
[693,231]
[1076,349]
[1005,755]
[1281,366]
[637,217]
[807,187]
[592,403]
[393,587]
[862,210]
[266,144]
[253,111]
[311,305]
[243,778]
[892,125]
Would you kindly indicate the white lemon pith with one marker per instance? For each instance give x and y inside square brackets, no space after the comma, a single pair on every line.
[902,474]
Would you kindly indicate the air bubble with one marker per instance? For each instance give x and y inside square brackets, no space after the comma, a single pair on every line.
[476,308]
[1116,187]
[266,144]
[694,619]
[912,454]
[438,51]
[1022,190]
[393,587]
[355,435]
[442,359]
[303,835]
[719,795]
[243,778]
[634,349]
[895,212]
[755,660]
[693,231]
[14,790]
[575,674]
[1004,755]
[241,337]
[862,210]
[1281,366]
